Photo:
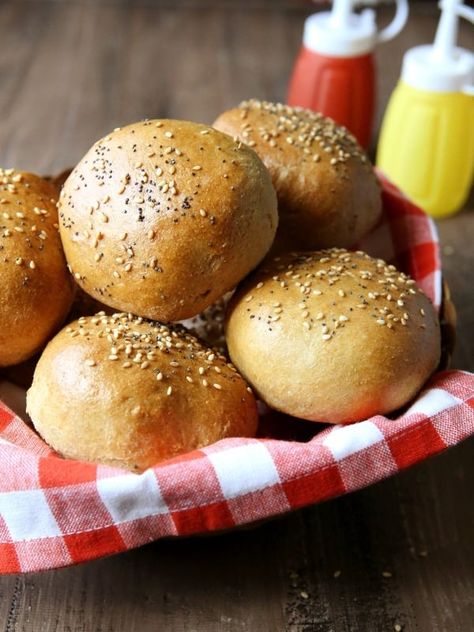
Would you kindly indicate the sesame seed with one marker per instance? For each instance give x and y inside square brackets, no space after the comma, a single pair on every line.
[32,265]
[380,321]
[217,386]
[205,383]
[159,376]
[90,362]
[126,365]
[202,212]
[189,379]
[341,293]
[326,336]
[169,390]
[19,261]
[259,285]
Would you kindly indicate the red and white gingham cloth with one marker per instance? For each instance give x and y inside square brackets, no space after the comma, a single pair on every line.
[56,512]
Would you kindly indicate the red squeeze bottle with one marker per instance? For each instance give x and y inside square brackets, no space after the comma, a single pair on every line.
[335,70]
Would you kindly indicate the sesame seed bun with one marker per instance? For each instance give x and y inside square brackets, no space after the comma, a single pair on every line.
[36,290]
[332,336]
[161,218]
[328,194]
[130,393]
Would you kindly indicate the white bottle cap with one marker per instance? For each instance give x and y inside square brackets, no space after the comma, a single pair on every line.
[343,33]
[442,67]
[423,71]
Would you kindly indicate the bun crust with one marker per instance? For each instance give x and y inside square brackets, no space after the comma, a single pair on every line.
[332,336]
[130,393]
[35,287]
[161,218]
[328,194]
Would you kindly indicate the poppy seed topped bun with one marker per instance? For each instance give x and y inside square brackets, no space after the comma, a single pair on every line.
[162,217]
[332,336]
[36,290]
[328,194]
[130,393]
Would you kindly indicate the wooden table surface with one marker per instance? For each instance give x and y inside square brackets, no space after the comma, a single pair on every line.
[70,72]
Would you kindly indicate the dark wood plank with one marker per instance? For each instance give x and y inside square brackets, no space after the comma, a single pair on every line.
[71,71]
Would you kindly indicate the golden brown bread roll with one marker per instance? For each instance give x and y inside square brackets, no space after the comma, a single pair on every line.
[127,392]
[332,336]
[161,218]
[327,192]
[36,290]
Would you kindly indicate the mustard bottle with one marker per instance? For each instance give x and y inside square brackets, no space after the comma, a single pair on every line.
[426,143]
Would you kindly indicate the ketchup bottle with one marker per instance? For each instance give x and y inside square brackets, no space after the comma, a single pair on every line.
[335,71]
[426,142]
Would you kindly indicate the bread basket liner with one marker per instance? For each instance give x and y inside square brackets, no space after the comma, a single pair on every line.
[56,512]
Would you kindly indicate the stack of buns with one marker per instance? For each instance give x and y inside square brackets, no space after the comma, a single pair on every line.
[239,231]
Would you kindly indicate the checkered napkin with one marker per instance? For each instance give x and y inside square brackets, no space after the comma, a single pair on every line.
[55,512]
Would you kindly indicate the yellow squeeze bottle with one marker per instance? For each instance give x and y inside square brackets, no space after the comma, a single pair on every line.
[426,143]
